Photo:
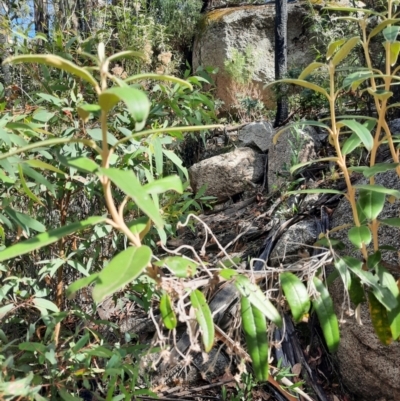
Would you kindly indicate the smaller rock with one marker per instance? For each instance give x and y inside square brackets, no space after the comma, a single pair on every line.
[293,243]
[258,134]
[228,174]
[302,148]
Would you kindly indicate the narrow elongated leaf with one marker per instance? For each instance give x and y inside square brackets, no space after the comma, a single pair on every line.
[204,318]
[167,313]
[45,304]
[54,61]
[356,291]
[344,272]
[25,221]
[309,69]
[122,269]
[379,189]
[380,94]
[359,236]
[258,299]
[140,226]
[379,319]
[322,160]
[80,163]
[361,131]
[43,166]
[289,127]
[5,309]
[345,50]
[47,238]
[128,183]
[38,178]
[296,295]
[255,332]
[371,203]
[377,168]
[323,305]
[304,84]
[392,222]
[158,77]
[135,100]
[315,191]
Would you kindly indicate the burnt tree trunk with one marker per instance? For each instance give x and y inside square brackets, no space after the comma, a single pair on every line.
[282,110]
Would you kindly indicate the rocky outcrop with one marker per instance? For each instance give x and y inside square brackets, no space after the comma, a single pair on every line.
[369,369]
[226,29]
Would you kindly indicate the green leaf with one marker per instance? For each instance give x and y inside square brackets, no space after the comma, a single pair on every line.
[380,94]
[167,313]
[359,236]
[304,84]
[381,26]
[333,46]
[377,168]
[323,305]
[255,332]
[315,191]
[390,33]
[345,50]
[360,130]
[140,226]
[177,161]
[392,222]
[79,284]
[47,238]
[309,69]
[54,61]
[80,163]
[38,178]
[296,295]
[204,318]
[355,79]
[344,273]
[258,299]
[26,222]
[296,124]
[165,184]
[350,144]
[228,274]
[379,189]
[128,183]
[300,165]
[371,203]
[136,101]
[5,309]
[383,294]
[379,319]
[122,269]
[394,53]
[26,189]
[43,166]
[45,304]
[356,291]
[65,396]
[179,265]
[159,77]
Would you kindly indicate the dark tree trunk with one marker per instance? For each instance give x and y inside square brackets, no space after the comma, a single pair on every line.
[282,110]
[41,16]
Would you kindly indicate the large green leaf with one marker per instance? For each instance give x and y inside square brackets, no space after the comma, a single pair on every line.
[323,305]
[255,332]
[204,318]
[167,313]
[304,84]
[333,46]
[360,130]
[392,222]
[350,144]
[371,203]
[257,298]
[322,160]
[47,238]
[379,189]
[296,295]
[180,266]
[122,269]
[25,221]
[360,236]
[54,61]
[381,26]
[162,185]
[135,100]
[128,183]
[355,79]
[390,33]
[309,69]
[377,168]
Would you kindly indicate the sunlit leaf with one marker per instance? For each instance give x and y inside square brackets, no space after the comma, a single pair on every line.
[350,144]
[45,304]
[165,184]
[379,189]
[359,236]
[204,318]
[255,332]
[381,26]
[333,46]
[345,50]
[360,130]
[309,69]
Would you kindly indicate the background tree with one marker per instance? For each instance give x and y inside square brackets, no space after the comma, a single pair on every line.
[281,60]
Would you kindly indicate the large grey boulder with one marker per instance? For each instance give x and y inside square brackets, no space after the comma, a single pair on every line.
[369,369]
[240,27]
[228,174]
